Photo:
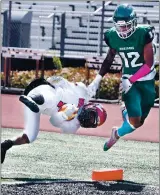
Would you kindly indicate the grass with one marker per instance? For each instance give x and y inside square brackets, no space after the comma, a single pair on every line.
[65,156]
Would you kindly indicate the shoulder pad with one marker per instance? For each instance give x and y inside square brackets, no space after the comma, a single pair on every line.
[149,33]
[107,36]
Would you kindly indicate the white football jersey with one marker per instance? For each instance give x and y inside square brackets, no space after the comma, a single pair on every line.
[74,93]
[64,92]
[69,92]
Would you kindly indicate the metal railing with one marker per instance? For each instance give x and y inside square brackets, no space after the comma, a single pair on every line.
[82,33]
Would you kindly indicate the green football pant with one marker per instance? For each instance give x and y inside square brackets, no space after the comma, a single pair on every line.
[140,98]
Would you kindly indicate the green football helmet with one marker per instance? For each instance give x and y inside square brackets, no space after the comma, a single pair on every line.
[125,20]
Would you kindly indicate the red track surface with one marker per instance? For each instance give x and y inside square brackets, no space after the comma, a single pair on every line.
[12,117]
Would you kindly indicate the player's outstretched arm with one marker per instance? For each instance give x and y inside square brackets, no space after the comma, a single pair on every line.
[70,126]
[66,119]
[92,88]
[65,114]
[107,62]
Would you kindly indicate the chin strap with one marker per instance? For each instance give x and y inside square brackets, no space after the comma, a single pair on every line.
[143,71]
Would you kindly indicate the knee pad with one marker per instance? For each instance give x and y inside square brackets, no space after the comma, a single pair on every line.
[39,99]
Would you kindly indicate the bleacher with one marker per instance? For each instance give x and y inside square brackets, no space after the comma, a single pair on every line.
[83,22]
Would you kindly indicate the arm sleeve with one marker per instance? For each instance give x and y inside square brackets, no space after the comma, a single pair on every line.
[56,119]
[66,126]
[70,126]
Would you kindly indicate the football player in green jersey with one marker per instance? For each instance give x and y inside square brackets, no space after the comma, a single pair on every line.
[133,43]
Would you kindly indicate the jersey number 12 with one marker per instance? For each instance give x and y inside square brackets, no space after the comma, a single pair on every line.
[134,56]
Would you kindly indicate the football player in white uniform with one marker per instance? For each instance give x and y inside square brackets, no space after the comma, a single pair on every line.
[65,102]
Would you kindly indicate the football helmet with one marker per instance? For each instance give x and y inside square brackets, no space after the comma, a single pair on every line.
[91,115]
[125,20]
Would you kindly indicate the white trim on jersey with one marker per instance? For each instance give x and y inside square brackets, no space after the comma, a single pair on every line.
[149,76]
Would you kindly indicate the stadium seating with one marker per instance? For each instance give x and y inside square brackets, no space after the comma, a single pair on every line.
[82,31]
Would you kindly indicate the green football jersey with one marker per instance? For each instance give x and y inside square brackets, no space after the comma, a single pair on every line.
[131,49]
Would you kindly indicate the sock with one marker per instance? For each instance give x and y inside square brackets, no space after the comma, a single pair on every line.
[125,128]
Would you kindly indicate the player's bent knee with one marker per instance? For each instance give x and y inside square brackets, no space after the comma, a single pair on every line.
[30,136]
[137,125]
[136,122]
[142,120]
[38,98]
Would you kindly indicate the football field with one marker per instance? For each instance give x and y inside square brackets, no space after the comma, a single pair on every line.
[62,164]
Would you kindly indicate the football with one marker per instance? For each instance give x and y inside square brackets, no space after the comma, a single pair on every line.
[69,111]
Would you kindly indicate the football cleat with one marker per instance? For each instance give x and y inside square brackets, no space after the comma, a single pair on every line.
[113,139]
[7,144]
[29,103]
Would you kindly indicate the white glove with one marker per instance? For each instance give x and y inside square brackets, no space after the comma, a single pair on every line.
[126,85]
[69,111]
[92,88]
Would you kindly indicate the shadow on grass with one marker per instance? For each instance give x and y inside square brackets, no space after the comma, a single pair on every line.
[124,185]
[34,180]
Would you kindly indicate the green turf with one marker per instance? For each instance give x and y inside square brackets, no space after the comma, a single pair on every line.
[64,156]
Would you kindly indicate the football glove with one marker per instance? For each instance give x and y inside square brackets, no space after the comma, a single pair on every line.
[126,85]
[92,88]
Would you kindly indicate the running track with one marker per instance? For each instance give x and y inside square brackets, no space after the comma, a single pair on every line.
[12,117]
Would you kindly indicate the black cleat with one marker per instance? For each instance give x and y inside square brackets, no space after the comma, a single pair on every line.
[29,103]
[7,144]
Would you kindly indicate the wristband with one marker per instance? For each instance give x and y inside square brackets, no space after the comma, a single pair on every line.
[143,71]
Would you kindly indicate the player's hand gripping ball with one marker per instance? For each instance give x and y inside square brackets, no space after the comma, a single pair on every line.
[69,111]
